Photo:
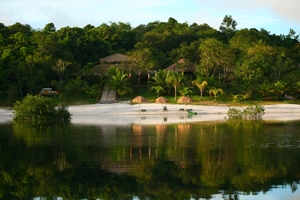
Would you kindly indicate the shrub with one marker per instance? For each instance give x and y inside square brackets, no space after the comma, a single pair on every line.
[40,110]
[251,112]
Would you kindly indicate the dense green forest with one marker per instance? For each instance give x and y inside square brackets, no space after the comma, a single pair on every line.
[33,59]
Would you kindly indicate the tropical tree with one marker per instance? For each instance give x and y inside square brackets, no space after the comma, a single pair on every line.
[216,57]
[279,88]
[228,25]
[142,60]
[157,89]
[93,91]
[201,84]
[76,85]
[236,97]
[60,67]
[119,82]
[160,79]
[264,89]
[174,79]
[186,91]
[215,92]
[281,65]
[251,69]
[246,96]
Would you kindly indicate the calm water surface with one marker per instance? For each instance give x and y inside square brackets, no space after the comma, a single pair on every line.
[207,160]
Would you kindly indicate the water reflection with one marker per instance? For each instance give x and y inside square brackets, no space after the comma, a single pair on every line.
[177,161]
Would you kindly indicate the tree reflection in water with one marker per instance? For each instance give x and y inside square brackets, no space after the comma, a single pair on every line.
[177,161]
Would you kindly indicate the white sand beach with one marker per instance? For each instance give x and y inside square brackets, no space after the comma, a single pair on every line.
[125,113]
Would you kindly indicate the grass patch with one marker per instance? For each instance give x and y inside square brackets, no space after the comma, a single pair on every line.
[222,100]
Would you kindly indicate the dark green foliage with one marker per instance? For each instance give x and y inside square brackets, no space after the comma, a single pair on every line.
[235,57]
[251,112]
[40,110]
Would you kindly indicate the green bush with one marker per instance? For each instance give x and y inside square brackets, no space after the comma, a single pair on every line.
[40,110]
[251,112]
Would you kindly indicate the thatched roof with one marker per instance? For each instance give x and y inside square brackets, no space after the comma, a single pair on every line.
[100,69]
[161,100]
[139,99]
[115,58]
[185,99]
[179,66]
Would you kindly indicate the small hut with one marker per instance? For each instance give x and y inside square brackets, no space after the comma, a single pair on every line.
[114,59]
[139,100]
[121,61]
[185,100]
[182,66]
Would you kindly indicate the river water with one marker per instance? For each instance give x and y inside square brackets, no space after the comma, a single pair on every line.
[200,160]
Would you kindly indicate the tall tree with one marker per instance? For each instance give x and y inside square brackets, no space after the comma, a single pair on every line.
[215,57]
[160,79]
[201,84]
[175,80]
[60,68]
[142,60]
[228,26]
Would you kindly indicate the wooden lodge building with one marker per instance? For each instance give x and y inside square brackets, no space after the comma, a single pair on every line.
[123,62]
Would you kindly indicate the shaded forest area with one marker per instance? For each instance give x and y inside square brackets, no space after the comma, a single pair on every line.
[34,59]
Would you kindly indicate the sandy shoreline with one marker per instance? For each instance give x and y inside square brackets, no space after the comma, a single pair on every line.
[124,113]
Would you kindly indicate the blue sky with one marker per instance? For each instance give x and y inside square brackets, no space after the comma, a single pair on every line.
[276,16]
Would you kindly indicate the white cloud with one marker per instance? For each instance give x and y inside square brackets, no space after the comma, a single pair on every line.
[288,9]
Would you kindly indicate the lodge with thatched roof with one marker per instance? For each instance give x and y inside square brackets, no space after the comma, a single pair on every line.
[121,61]
[115,58]
[182,66]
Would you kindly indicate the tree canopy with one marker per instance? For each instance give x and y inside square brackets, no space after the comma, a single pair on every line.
[29,57]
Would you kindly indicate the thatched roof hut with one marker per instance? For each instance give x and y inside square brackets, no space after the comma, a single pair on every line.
[161,100]
[185,99]
[139,99]
[181,66]
[100,69]
[115,58]
[119,60]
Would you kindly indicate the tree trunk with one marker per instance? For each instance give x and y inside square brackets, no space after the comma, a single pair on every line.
[175,93]
[201,94]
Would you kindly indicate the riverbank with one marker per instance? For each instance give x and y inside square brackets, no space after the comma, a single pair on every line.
[125,113]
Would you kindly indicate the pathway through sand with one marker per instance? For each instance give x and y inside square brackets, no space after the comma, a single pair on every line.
[108,96]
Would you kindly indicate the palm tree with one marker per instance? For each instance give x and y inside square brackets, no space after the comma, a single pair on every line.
[186,91]
[160,79]
[211,82]
[201,84]
[93,91]
[174,79]
[157,89]
[279,88]
[264,89]
[60,67]
[215,91]
[119,82]
[236,97]
[76,85]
